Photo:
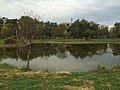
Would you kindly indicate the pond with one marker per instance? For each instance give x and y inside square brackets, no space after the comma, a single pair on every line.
[63,57]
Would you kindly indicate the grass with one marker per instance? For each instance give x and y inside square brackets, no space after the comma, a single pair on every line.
[69,41]
[12,78]
[1,41]
[77,40]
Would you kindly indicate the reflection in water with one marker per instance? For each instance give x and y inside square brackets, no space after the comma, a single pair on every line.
[65,57]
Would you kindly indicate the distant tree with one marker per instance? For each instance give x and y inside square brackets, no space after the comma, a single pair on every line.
[102,31]
[1,23]
[80,29]
[116,30]
[76,31]
[39,29]
[48,29]
[94,27]
[60,30]
[8,28]
[84,25]
[89,33]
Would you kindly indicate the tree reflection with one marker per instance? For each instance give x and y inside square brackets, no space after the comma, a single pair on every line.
[115,49]
[84,50]
[8,53]
[58,50]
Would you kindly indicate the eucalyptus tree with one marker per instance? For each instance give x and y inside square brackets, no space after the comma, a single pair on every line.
[116,30]
[8,28]
[48,29]
[60,30]
[81,28]
[89,33]
[1,23]
[94,28]
[75,30]
[39,28]
[102,31]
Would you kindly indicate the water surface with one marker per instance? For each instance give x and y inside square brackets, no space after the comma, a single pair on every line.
[63,57]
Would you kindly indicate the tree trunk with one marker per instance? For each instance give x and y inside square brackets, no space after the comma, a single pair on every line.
[17,35]
[28,58]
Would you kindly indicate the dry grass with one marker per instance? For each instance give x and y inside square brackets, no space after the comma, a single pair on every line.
[79,88]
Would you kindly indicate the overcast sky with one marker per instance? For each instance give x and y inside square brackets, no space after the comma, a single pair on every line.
[101,11]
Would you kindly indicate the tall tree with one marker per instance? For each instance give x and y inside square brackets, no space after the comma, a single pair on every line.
[116,30]
[102,31]
[60,30]
[26,30]
[9,27]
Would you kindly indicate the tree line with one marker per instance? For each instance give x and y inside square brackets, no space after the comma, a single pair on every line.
[29,27]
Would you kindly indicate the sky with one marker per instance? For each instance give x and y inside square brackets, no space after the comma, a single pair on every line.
[100,11]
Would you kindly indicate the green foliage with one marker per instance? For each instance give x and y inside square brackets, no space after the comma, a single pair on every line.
[83,28]
[89,33]
[60,30]
[115,31]
[8,28]
[32,28]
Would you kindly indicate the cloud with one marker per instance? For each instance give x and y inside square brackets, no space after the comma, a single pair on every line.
[100,11]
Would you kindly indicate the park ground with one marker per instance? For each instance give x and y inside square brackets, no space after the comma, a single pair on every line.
[13,78]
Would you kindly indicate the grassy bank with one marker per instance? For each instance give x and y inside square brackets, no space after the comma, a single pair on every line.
[67,41]
[76,40]
[2,41]
[12,78]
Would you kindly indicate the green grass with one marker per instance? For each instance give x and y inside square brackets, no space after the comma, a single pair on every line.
[76,40]
[1,41]
[117,40]
[12,78]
